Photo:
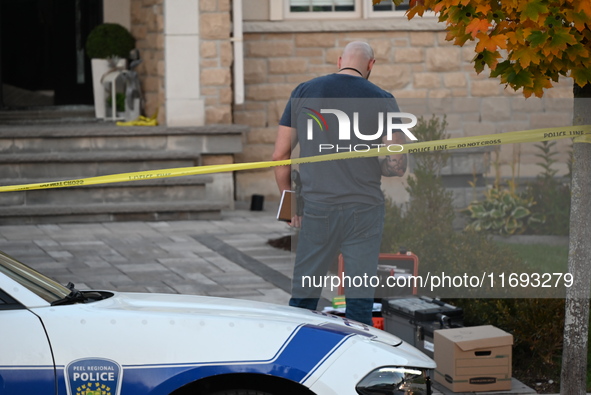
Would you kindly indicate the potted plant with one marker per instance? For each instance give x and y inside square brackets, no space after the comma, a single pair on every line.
[108,46]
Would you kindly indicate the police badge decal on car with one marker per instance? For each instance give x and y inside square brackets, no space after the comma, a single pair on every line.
[94,376]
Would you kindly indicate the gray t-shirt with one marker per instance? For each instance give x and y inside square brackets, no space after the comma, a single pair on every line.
[319,109]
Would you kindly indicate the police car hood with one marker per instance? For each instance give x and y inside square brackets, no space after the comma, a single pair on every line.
[168,329]
[204,307]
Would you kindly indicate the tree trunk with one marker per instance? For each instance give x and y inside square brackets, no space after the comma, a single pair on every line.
[576,322]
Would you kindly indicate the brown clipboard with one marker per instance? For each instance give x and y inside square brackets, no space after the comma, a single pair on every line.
[286,209]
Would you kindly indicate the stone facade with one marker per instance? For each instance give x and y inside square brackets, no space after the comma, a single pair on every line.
[216,60]
[428,76]
[147,26]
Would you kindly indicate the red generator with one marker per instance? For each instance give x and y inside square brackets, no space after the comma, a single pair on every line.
[396,272]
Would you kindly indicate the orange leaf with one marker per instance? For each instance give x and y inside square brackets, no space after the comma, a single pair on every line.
[491,43]
[526,55]
[477,25]
[414,10]
[539,84]
[438,7]
[518,36]
[483,8]
[578,19]
[583,5]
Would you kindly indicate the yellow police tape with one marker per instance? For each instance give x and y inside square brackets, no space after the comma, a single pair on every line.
[580,133]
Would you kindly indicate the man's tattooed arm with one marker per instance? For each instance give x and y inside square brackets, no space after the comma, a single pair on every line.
[394,165]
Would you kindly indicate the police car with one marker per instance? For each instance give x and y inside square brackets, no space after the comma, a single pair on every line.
[59,340]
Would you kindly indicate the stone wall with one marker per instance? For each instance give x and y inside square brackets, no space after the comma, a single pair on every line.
[216,60]
[147,26]
[427,75]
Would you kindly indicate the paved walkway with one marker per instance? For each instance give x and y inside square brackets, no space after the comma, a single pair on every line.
[228,257]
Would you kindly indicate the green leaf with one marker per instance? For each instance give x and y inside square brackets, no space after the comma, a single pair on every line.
[501,68]
[533,10]
[520,212]
[582,75]
[559,38]
[486,58]
[511,225]
[519,79]
[508,199]
[497,214]
[498,223]
[536,218]
[496,15]
[476,209]
[577,50]
[551,21]
[458,14]
[537,38]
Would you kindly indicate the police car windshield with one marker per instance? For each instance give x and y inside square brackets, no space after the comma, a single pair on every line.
[34,281]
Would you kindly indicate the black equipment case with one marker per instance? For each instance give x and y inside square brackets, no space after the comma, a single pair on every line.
[414,319]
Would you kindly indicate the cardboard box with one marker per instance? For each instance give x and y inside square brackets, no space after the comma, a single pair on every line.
[474,358]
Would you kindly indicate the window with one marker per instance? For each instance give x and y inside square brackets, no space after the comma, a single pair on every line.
[8,303]
[331,9]
[321,5]
[323,9]
[388,6]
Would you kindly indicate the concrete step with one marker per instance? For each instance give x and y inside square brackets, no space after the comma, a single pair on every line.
[86,213]
[105,136]
[64,166]
[48,114]
[186,188]
[52,151]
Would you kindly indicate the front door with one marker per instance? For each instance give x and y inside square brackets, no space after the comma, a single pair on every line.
[42,58]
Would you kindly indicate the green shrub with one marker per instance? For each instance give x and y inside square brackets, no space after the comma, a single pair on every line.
[109,40]
[543,208]
[119,102]
[429,214]
[503,212]
[552,196]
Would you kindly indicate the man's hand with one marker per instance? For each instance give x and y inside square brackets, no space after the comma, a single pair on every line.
[296,222]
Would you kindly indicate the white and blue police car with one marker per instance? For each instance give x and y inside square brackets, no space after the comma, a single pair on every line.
[58,340]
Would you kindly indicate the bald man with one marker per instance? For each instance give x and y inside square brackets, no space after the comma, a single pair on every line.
[343,201]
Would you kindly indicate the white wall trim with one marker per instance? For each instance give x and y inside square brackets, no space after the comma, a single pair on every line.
[184,105]
[385,24]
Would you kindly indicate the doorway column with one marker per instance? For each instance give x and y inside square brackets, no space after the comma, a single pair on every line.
[184,104]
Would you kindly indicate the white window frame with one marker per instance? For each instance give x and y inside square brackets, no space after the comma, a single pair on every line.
[363,10]
[357,14]
[370,13]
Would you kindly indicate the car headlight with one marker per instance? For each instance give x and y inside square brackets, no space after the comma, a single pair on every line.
[390,380]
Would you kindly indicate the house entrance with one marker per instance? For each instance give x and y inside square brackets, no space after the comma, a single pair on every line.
[42,59]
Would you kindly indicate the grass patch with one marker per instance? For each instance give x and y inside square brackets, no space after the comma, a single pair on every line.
[541,257]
